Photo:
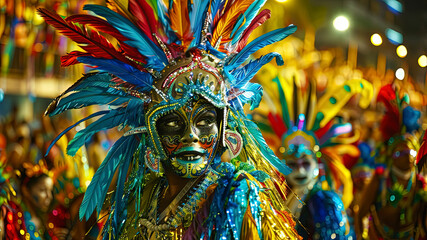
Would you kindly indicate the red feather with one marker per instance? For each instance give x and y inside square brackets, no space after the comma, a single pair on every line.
[91,41]
[144,14]
[422,153]
[103,26]
[391,122]
[98,23]
[277,124]
[263,16]
[321,131]
[71,58]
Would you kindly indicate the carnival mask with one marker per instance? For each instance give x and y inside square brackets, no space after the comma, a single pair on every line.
[304,170]
[189,136]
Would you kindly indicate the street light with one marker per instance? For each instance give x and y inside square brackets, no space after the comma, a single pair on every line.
[422,61]
[341,23]
[401,51]
[281,1]
[376,39]
[400,74]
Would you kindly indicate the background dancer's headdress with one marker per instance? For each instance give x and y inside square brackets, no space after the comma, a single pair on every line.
[399,123]
[305,125]
[203,43]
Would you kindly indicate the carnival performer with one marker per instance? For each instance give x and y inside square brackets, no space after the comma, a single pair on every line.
[177,85]
[396,196]
[38,218]
[310,142]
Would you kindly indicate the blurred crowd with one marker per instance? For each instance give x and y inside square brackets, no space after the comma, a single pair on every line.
[42,184]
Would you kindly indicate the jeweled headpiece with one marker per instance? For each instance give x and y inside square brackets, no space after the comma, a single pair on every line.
[166,55]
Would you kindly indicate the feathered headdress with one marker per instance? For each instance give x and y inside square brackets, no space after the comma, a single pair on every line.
[399,123]
[305,125]
[398,118]
[203,42]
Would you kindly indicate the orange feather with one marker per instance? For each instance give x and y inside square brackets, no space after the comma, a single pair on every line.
[225,24]
[180,22]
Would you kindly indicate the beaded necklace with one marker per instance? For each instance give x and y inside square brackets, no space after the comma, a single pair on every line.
[176,215]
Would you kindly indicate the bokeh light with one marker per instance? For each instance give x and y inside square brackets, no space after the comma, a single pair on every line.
[422,61]
[376,39]
[400,74]
[341,23]
[281,1]
[401,51]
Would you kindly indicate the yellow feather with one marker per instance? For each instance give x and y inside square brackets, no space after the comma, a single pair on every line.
[180,22]
[225,24]
[335,98]
[121,6]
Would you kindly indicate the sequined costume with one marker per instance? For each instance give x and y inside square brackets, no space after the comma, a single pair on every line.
[171,61]
[309,140]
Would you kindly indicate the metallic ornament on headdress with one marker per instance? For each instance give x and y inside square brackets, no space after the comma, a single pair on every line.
[164,58]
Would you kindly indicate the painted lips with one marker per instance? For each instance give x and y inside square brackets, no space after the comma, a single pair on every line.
[190,154]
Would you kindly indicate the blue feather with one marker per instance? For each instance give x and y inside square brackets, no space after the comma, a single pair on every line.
[252,93]
[71,127]
[155,57]
[86,98]
[256,136]
[112,119]
[258,43]
[244,74]
[197,17]
[245,19]
[98,187]
[164,20]
[142,80]
[120,211]
[135,113]
[215,52]
[215,6]
[91,80]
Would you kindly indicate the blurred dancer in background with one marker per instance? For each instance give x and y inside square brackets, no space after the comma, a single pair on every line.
[396,196]
[310,143]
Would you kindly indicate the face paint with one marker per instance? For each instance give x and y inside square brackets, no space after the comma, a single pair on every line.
[304,170]
[189,137]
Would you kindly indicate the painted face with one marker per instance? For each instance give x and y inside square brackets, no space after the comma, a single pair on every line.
[189,137]
[403,156]
[41,193]
[304,170]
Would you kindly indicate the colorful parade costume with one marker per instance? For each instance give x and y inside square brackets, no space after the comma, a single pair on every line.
[307,133]
[397,208]
[175,63]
